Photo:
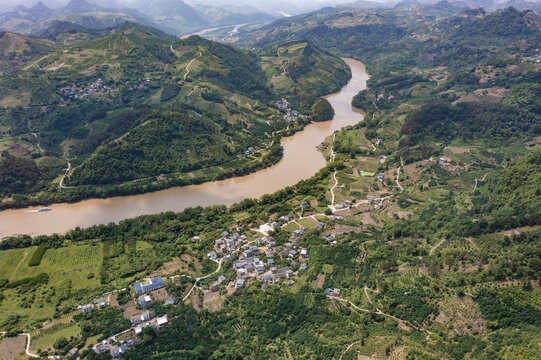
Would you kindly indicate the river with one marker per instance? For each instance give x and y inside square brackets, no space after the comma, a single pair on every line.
[301,161]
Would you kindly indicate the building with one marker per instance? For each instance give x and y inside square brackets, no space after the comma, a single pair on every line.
[144,300]
[154,284]
[101,348]
[73,353]
[170,300]
[215,286]
[86,308]
[161,321]
[144,316]
[332,292]
[103,304]
[240,283]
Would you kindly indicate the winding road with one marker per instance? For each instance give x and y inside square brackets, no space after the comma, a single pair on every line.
[203,277]
[190,63]
[61,183]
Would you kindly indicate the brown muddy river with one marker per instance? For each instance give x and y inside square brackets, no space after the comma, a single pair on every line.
[301,161]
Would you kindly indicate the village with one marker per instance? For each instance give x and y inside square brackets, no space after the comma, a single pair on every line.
[253,259]
[77,92]
[290,115]
[74,92]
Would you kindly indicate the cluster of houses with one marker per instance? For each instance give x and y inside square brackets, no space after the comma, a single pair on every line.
[282,104]
[139,321]
[228,244]
[73,92]
[143,84]
[145,319]
[254,258]
[291,115]
[115,351]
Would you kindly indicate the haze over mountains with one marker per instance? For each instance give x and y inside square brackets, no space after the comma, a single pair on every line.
[181,17]
[175,17]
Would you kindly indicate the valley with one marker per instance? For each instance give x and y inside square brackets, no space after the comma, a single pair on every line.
[301,160]
[220,204]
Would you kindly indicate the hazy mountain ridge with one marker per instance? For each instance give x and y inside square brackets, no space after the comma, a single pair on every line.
[174,17]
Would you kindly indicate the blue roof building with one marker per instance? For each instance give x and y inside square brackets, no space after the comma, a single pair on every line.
[154,284]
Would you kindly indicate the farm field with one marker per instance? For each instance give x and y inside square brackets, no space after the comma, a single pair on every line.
[70,269]
[46,338]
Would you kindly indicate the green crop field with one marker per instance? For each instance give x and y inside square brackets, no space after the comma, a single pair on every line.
[48,336]
[73,263]
[11,260]
[69,270]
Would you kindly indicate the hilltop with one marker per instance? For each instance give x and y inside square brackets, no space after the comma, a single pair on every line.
[303,72]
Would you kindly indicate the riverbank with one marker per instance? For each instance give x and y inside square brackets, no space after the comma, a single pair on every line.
[300,161]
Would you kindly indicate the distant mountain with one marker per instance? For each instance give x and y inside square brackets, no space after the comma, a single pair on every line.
[522,5]
[78,6]
[82,12]
[41,7]
[172,16]
[173,13]
[235,15]
[68,33]
[362,5]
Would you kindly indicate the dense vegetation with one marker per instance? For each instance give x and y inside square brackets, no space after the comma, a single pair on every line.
[322,111]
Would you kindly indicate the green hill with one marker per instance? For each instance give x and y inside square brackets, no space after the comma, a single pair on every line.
[17,50]
[108,105]
[303,72]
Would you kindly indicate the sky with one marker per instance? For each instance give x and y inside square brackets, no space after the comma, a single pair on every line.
[273,5]
[258,3]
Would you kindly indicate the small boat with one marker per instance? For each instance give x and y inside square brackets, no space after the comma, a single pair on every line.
[44,209]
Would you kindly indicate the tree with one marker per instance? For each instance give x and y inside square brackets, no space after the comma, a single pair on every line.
[149,333]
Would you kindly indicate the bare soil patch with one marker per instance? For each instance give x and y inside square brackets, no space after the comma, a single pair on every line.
[462,314]
[177,265]
[344,229]
[319,282]
[368,219]
[159,295]
[11,348]
[129,309]
[212,301]
[194,300]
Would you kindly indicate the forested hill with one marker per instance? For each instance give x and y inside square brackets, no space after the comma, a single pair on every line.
[105,100]
[303,72]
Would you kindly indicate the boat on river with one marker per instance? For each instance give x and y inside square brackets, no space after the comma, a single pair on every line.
[44,209]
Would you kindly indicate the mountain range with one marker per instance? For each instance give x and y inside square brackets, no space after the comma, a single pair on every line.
[175,17]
